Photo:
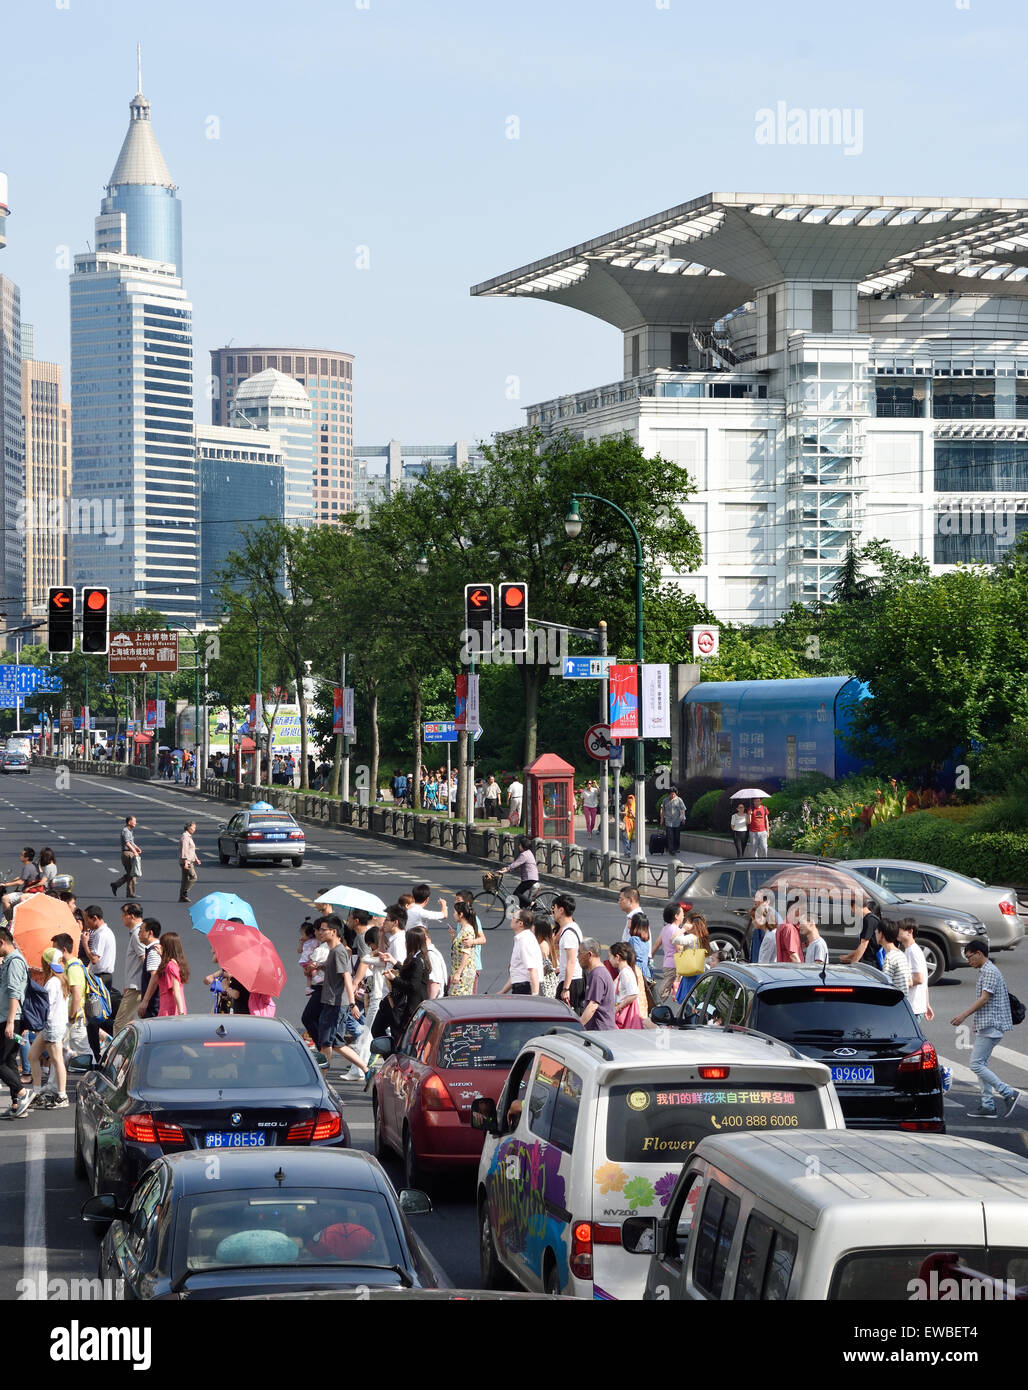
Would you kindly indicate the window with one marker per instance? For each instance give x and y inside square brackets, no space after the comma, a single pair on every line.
[902,880]
[145,1202]
[488,1046]
[679,352]
[717,1223]
[771,343]
[722,888]
[963,398]
[514,1091]
[542,1099]
[900,398]
[565,1112]
[635,354]
[933,883]
[716,1004]
[680,1216]
[885,1273]
[765,1265]
[821,315]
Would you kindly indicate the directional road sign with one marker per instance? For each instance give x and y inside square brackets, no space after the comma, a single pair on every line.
[584,668]
[444,731]
[142,651]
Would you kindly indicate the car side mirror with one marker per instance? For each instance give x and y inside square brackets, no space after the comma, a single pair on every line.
[382,1047]
[483,1115]
[412,1202]
[102,1210]
[639,1235]
[83,1062]
[662,1016]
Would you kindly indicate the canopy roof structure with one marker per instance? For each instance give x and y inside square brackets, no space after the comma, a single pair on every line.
[696,262]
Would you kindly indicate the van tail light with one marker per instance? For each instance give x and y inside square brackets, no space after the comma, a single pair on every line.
[144,1129]
[435,1096]
[325,1125]
[924,1059]
[584,1235]
[713,1073]
[932,1126]
[1008,909]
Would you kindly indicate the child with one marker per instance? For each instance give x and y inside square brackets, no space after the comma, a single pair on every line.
[51,1038]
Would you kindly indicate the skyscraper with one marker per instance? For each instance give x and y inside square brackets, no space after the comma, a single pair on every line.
[273,401]
[46,502]
[242,483]
[327,377]
[133,452]
[12,453]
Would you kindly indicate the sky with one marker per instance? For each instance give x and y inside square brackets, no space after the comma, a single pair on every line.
[349,168]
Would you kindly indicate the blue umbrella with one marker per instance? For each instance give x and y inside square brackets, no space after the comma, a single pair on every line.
[221,907]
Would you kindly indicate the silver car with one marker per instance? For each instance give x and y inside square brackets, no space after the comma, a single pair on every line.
[268,836]
[927,883]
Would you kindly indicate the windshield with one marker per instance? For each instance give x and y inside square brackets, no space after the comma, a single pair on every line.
[858,1015]
[216,1065]
[650,1122]
[491,1045]
[244,1229]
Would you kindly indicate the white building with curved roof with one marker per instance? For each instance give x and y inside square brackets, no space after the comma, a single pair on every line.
[273,401]
[828,368]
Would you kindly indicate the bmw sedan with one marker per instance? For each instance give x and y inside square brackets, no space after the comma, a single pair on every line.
[264,836]
[205,1081]
[257,1223]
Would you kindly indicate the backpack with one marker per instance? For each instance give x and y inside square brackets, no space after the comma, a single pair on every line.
[98,998]
[1017,1010]
[35,1008]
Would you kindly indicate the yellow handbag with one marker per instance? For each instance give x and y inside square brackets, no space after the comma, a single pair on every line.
[690,960]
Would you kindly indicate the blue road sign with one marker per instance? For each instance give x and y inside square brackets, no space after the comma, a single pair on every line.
[617,753]
[585,668]
[444,731]
[28,680]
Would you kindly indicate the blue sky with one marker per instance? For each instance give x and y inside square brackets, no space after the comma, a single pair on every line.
[384,124]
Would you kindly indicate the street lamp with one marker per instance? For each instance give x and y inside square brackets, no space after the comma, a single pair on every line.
[421,563]
[573,528]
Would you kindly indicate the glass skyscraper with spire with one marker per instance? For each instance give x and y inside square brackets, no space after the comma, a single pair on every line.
[134,479]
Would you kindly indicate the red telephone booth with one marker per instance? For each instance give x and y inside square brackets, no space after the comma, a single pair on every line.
[550,793]
[245,761]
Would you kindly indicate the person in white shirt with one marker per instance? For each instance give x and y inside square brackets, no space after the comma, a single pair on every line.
[918,966]
[740,829]
[393,935]
[815,947]
[515,793]
[526,959]
[628,902]
[769,920]
[570,976]
[438,975]
[418,912]
[590,805]
[894,966]
[491,797]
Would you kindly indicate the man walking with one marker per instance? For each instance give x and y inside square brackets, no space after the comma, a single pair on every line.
[14,977]
[918,996]
[570,981]
[526,959]
[102,951]
[894,962]
[492,798]
[672,814]
[133,968]
[598,1014]
[992,1019]
[131,859]
[759,822]
[188,860]
[515,794]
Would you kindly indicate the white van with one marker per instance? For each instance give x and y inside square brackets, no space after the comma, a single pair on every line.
[591,1131]
[854,1216]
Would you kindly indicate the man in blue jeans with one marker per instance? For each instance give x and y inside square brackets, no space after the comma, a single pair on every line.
[992,1019]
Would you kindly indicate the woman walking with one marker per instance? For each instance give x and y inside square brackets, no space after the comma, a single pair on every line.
[543,929]
[626,986]
[628,824]
[740,829]
[590,805]
[51,1039]
[410,983]
[462,950]
[169,979]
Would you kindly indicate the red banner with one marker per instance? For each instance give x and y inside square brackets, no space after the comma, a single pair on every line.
[337,710]
[624,701]
[460,717]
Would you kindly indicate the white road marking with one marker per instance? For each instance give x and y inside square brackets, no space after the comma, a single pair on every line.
[34,1259]
[962,1073]
[360,1126]
[1015,1059]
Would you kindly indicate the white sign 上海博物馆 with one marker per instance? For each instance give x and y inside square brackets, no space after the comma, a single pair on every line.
[706,640]
[349,728]
[473,713]
[656,701]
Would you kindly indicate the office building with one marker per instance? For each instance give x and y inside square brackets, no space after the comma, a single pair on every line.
[12,455]
[46,503]
[4,211]
[827,369]
[133,452]
[242,482]
[276,402]
[384,469]
[327,377]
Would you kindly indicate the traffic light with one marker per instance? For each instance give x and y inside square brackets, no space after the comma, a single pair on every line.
[478,611]
[95,617]
[60,617]
[514,614]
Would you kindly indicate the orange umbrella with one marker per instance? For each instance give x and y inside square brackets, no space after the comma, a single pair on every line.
[37,918]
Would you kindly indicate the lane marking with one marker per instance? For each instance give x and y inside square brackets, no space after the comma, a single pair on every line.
[962,1073]
[1015,1059]
[34,1260]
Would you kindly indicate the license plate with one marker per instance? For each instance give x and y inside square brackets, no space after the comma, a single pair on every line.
[242,1139]
[273,837]
[853,1074]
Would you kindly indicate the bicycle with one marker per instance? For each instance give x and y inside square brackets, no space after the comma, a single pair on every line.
[495,904]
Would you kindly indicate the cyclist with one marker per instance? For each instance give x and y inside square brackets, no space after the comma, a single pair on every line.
[527,870]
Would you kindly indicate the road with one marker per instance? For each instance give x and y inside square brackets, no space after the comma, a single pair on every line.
[41,1236]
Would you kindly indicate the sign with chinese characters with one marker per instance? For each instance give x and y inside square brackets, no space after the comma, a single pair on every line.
[656,701]
[624,702]
[142,651]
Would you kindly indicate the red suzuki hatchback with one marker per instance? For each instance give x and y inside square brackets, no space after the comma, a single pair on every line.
[454,1050]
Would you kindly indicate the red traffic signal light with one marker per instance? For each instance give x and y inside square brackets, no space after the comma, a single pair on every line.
[478,607]
[514,614]
[95,605]
[60,615]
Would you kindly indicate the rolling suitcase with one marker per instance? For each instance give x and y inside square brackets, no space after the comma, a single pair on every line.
[658,842]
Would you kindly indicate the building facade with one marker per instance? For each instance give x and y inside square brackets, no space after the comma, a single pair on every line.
[133,449]
[276,402]
[327,377]
[242,480]
[828,370]
[384,469]
[12,454]
[47,419]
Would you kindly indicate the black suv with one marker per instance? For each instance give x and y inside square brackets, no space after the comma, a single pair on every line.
[847,1016]
[724,891]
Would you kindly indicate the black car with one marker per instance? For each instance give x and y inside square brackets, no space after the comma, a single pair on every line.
[213,1081]
[847,1016]
[255,1223]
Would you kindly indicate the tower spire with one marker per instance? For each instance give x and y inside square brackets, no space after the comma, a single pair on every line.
[139,67]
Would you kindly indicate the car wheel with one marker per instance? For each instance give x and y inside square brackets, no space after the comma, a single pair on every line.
[240,858]
[551,1280]
[297,861]
[81,1172]
[728,947]
[493,1274]
[381,1147]
[935,958]
[222,858]
[413,1173]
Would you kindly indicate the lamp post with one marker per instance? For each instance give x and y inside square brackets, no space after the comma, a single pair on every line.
[573,528]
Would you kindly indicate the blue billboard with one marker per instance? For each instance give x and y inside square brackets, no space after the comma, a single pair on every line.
[770,732]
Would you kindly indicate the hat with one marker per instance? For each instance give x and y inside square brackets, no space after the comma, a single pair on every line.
[52,958]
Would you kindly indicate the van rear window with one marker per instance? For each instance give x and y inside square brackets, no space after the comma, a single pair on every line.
[901,1275]
[650,1123]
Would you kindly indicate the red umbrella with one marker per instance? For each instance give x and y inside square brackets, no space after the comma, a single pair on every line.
[248,956]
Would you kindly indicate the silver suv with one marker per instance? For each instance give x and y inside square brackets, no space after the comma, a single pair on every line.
[725,889]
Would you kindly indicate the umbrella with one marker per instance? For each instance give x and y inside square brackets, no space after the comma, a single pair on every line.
[218,907]
[341,896]
[36,919]
[815,888]
[248,956]
[163,748]
[749,794]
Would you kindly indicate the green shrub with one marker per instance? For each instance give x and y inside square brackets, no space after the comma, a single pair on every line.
[999,857]
[702,810]
[721,819]
[1005,813]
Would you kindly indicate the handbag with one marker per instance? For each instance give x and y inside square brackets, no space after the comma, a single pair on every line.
[690,960]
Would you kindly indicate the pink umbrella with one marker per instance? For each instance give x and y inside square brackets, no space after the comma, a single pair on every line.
[248,956]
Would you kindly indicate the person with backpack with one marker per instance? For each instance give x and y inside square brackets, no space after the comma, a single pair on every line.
[14,981]
[993,1017]
[101,951]
[570,974]
[51,1038]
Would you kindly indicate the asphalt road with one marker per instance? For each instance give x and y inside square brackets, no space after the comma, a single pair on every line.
[41,1236]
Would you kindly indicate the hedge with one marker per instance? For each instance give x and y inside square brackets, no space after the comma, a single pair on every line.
[702,810]
[999,857]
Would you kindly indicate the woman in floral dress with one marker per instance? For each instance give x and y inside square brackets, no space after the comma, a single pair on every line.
[462,951]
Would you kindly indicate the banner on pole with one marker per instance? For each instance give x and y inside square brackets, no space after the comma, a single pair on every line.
[460,715]
[474,721]
[349,729]
[624,702]
[160,714]
[337,710]
[656,701]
